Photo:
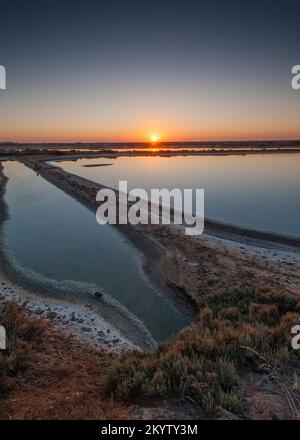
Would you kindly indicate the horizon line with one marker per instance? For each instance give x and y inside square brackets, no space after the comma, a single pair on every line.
[151,143]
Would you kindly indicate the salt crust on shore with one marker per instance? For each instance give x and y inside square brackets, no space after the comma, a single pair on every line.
[79,320]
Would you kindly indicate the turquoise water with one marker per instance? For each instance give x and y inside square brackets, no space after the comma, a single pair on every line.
[53,235]
[259,191]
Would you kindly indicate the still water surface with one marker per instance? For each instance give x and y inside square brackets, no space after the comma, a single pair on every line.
[260,191]
[52,234]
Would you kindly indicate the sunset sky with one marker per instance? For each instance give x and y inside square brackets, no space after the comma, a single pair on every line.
[128,70]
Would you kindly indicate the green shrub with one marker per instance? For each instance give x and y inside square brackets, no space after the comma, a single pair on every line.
[234,329]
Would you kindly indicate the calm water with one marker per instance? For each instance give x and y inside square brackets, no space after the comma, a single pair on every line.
[52,234]
[260,191]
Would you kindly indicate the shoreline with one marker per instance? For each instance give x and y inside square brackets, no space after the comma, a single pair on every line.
[78,320]
[162,255]
[164,249]
[217,143]
[198,268]
[127,327]
[60,155]
[84,191]
[218,228]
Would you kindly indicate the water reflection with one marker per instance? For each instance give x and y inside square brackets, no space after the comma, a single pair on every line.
[52,234]
[260,191]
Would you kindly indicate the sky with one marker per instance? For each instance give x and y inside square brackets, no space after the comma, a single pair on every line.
[126,70]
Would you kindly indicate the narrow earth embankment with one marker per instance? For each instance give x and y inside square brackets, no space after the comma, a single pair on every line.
[119,321]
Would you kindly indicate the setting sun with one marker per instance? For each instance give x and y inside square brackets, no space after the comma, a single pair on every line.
[154,138]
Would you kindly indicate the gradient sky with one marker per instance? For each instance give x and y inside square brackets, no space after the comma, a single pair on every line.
[120,70]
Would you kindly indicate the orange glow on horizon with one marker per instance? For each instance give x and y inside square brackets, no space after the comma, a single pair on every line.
[154,138]
[76,133]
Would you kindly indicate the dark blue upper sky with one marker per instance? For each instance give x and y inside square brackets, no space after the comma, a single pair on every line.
[119,70]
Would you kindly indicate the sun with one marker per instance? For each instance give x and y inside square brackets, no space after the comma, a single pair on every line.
[154,138]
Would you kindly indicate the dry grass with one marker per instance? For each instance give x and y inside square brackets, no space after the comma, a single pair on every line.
[22,332]
[48,375]
[236,331]
[45,374]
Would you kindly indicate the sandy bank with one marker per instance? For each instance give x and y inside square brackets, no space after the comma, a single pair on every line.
[207,264]
[225,256]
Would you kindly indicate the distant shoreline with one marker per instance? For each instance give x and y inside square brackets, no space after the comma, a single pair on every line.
[46,154]
[170,144]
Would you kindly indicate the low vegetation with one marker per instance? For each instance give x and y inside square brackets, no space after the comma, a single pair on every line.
[22,331]
[48,374]
[236,331]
